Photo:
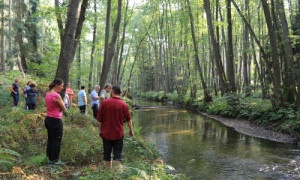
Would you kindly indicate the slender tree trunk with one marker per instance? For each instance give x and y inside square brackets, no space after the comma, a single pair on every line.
[2,41]
[277,101]
[79,65]
[110,49]
[20,37]
[93,48]
[230,57]
[10,49]
[245,49]
[216,49]
[207,96]
[289,80]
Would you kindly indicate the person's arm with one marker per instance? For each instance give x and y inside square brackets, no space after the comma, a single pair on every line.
[84,99]
[61,103]
[68,99]
[100,118]
[11,88]
[23,92]
[131,133]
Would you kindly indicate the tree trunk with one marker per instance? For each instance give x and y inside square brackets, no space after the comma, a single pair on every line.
[109,53]
[93,48]
[277,96]
[207,96]
[10,49]
[79,65]
[71,37]
[230,57]
[216,49]
[2,42]
[20,37]
[245,49]
[289,80]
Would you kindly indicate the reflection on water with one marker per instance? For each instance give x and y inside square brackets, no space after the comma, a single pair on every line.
[205,149]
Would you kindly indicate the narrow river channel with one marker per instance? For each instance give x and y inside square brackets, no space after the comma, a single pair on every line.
[203,148]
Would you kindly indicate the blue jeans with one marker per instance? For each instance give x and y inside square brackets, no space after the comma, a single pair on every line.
[16,98]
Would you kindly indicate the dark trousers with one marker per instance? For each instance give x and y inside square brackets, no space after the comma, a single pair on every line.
[95,110]
[16,99]
[82,109]
[31,106]
[55,131]
[115,146]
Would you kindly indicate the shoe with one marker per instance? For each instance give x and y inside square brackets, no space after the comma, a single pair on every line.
[56,163]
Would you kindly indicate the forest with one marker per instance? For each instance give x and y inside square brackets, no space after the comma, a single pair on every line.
[230,58]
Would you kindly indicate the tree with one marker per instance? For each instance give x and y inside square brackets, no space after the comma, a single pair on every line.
[109,49]
[70,38]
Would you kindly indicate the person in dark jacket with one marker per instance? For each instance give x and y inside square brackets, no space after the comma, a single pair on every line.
[31,96]
[14,88]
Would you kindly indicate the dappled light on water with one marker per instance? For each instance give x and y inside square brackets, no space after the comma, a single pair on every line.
[205,149]
[182,132]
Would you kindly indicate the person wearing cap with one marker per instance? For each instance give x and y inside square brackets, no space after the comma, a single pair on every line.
[31,96]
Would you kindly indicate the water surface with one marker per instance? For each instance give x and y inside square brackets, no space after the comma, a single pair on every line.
[203,148]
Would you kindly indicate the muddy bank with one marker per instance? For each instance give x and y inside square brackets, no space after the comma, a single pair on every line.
[248,128]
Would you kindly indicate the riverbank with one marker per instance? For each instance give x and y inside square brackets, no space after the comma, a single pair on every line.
[24,137]
[252,118]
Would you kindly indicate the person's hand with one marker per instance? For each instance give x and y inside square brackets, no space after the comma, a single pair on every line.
[15,92]
[100,134]
[131,134]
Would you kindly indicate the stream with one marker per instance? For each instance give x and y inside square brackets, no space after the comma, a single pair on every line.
[203,148]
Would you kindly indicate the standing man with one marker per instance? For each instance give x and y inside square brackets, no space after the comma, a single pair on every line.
[111,116]
[82,100]
[103,93]
[95,100]
[70,93]
[14,88]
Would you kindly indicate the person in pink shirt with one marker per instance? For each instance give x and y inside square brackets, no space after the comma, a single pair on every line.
[69,91]
[53,121]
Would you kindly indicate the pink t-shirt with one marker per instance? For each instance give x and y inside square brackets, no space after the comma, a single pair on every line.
[53,108]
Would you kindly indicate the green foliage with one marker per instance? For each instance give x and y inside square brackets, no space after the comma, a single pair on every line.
[7,159]
[37,160]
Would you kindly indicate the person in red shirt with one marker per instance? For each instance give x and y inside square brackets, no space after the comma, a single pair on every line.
[69,91]
[111,116]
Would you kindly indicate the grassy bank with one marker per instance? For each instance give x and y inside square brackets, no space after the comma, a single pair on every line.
[24,137]
[253,108]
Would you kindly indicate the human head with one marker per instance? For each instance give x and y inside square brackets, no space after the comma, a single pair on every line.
[116,90]
[69,85]
[97,88]
[82,88]
[58,84]
[107,87]
[28,83]
[16,80]
[32,86]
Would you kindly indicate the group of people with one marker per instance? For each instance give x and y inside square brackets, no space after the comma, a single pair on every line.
[29,92]
[111,115]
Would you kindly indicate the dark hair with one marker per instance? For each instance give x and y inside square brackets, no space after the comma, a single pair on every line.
[117,89]
[55,82]
[28,82]
[82,87]
[32,85]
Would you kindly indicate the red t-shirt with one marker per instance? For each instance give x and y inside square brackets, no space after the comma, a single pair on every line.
[69,90]
[112,113]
